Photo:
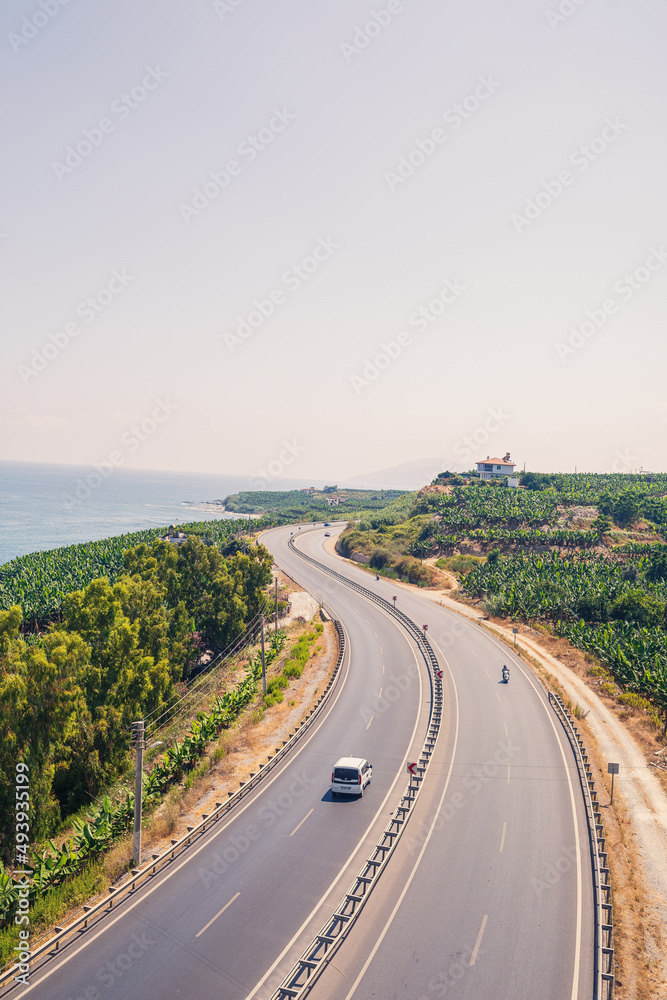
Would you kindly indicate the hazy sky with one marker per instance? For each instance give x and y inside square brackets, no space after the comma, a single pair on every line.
[334,236]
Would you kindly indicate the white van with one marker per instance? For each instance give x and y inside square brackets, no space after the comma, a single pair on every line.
[350,776]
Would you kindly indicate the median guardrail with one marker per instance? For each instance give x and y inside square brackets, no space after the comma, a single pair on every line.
[313,960]
[604,927]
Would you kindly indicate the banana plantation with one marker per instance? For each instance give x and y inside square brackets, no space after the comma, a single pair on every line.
[39,582]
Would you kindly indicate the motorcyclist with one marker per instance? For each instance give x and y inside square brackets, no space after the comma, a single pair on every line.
[506,672]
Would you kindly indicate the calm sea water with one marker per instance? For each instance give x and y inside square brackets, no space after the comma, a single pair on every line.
[46,506]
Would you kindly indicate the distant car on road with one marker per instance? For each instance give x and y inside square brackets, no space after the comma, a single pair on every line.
[327,534]
[327,524]
[350,776]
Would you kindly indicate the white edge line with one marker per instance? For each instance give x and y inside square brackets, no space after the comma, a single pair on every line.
[502,838]
[424,845]
[291,757]
[577,946]
[345,866]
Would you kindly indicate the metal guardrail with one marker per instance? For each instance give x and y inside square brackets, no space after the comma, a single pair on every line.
[221,810]
[604,927]
[307,969]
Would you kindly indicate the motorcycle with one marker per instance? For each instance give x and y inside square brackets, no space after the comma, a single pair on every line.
[506,675]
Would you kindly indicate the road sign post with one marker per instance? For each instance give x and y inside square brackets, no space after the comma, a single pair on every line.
[515,630]
[139,743]
[612,769]
[411,768]
[263,658]
[394,600]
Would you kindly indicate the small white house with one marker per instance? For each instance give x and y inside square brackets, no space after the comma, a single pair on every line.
[493,468]
[333,501]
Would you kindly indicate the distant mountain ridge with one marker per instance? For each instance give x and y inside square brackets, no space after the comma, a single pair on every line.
[407,476]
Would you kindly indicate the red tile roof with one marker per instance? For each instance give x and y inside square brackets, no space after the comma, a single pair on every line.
[495,461]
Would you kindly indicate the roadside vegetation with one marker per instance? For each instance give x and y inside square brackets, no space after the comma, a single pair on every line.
[304,505]
[584,555]
[40,581]
[121,651]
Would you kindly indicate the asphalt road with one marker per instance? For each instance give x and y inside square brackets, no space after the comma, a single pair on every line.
[215,921]
[488,894]
[490,891]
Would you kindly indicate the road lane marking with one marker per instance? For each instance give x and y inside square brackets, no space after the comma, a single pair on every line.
[424,845]
[189,855]
[367,621]
[498,697]
[218,914]
[303,820]
[507,735]
[380,693]
[370,720]
[381,649]
[508,772]
[475,950]
[474,654]
[339,876]
[502,839]
[376,635]
[487,672]
[577,930]
[383,668]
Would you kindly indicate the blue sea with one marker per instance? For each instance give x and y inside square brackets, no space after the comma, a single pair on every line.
[46,506]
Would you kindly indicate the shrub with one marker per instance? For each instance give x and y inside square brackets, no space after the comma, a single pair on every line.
[634,700]
[292,669]
[379,558]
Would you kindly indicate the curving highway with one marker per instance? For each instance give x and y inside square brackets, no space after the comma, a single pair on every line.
[488,893]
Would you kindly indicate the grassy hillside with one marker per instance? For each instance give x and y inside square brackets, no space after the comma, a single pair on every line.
[297,504]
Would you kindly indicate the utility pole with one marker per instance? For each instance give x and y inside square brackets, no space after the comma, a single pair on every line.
[139,743]
[276,608]
[263,659]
